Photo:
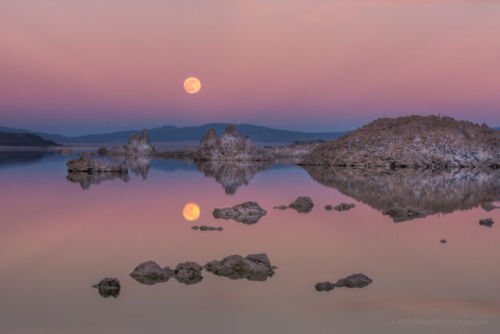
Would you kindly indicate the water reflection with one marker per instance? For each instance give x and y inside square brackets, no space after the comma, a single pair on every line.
[23,157]
[406,194]
[86,180]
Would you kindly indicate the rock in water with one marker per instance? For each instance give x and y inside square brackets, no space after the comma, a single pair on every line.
[91,165]
[231,146]
[301,204]
[489,207]
[254,267]
[412,141]
[354,281]
[443,241]
[488,222]
[246,213]
[324,286]
[150,273]
[328,207]
[344,206]
[188,273]
[139,145]
[108,287]
[206,228]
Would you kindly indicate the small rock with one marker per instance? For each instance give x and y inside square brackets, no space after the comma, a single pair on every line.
[281,207]
[108,287]
[324,286]
[443,241]
[488,222]
[246,213]
[344,206]
[354,281]
[328,207]
[195,228]
[188,273]
[65,152]
[207,228]
[150,273]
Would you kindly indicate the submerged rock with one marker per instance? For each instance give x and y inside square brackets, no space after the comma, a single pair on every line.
[188,273]
[150,273]
[489,206]
[488,222]
[328,207]
[344,206]
[246,213]
[324,286]
[254,267]
[206,228]
[443,241]
[108,287]
[354,281]
[302,204]
[231,146]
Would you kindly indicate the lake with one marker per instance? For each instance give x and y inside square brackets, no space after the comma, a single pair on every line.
[58,238]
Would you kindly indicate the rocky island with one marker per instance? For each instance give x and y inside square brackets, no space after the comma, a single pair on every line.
[414,141]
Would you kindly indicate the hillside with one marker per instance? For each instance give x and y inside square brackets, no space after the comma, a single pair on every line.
[24,139]
[412,141]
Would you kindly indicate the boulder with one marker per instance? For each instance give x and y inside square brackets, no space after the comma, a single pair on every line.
[254,267]
[150,273]
[344,206]
[108,287]
[188,273]
[246,213]
[87,163]
[354,281]
[488,222]
[324,286]
[328,207]
[301,204]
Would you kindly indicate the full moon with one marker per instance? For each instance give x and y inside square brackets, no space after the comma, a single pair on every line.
[192,85]
[191,212]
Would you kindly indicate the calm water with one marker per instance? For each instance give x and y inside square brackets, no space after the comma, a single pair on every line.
[57,239]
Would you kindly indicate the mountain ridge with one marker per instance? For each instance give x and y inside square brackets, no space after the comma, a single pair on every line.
[256,133]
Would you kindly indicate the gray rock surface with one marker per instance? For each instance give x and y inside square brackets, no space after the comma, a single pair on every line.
[246,213]
[188,273]
[488,222]
[254,267]
[412,141]
[150,273]
[108,287]
[344,206]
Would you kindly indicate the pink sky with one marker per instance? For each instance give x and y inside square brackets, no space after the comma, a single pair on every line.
[92,65]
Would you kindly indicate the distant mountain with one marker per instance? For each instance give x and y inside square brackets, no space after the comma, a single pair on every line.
[498,129]
[191,133]
[24,139]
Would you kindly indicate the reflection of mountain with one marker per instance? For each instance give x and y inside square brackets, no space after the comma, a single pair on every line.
[23,157]
[232,174]
[406,194]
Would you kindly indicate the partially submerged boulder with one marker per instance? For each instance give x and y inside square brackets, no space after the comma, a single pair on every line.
[188,273]
[352,281]
[302,204]
[139,145]
[150,273]
[344,206]
[488,222]
[246,213]
[254,267]
[108,287]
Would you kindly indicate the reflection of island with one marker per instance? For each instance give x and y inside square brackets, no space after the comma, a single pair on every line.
[232,174]
[406,194]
